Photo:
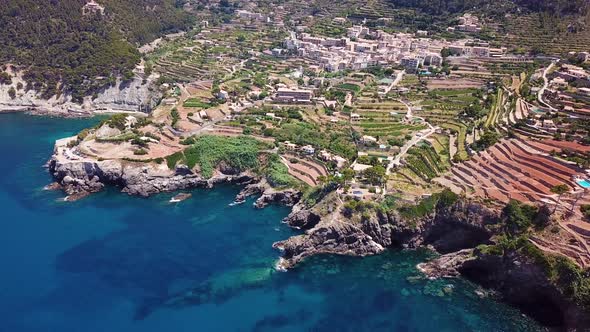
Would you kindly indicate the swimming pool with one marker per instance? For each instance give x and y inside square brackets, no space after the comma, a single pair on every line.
[584,183]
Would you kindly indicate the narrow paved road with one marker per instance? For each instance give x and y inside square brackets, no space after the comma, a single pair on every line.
[545,85]
[395,82]
[418,137]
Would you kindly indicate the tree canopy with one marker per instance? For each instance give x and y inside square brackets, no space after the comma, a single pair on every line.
[63,49]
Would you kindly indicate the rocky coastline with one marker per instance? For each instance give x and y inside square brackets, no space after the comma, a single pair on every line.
[454,231]
[79,179]
[463,226]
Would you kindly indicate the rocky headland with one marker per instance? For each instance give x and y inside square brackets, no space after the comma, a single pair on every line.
[79,176]
[329,230]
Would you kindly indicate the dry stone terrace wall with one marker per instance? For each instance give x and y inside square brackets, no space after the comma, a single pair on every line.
[512,170]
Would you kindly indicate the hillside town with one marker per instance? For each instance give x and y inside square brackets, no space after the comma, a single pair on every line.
[364,48]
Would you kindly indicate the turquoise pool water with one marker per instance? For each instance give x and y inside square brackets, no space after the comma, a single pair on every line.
[584,183]
[117,263]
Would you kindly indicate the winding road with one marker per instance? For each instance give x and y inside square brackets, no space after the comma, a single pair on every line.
[418,137]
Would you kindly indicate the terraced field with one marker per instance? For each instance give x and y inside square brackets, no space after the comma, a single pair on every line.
[382,118]
[426,162]
[442,108]
[212,54]
[499,111]
[511,169]
[545,33]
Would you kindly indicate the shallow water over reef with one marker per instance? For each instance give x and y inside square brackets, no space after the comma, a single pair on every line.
[117,263]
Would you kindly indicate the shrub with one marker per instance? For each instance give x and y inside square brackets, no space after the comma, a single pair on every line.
[140,152]
[175,117]
[518,216]
[173,159]
[83,134]
[444,199]
[12,92]
[188,141]
[237,152]
[277,173]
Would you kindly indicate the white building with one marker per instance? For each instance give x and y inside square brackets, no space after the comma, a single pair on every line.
[289,95]
[411,64]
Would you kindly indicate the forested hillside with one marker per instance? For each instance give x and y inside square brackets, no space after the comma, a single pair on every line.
[562,7]
[58,41]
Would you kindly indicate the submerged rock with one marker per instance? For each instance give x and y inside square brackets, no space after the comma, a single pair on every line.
[446,265]
[180,197]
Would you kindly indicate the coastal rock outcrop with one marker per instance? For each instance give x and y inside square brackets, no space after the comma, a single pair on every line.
[447,265]
[82,177]
[302,219]
[335,238]
[329,230]
[287,197]
[268,194]
[518,280]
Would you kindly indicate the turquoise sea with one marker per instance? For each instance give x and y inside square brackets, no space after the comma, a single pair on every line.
[117,263]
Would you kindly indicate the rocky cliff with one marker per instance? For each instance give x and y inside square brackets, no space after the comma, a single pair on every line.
[80,178]
[520,281]
[328,230]
[135,95]
[457,231]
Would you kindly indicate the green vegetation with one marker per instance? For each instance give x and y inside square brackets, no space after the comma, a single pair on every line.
[175,117]
[54,42]
[563,273]
[140,152]
[173,159]
[349,86]
[277,173]
[425,162]
[453,110]
[585,209]
[519,217]
[207,152]
[302,133]
[196,102]
[375,175]
[426,206]
[353,205]
[328,28]
[116,121]
[488,139]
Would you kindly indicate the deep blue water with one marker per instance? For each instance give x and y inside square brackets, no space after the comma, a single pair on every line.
[117,263]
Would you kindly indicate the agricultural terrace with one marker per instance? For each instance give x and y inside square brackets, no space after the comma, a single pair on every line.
[422,164]
[209,54]
[446,108]
[288,124]
[544,33]
[383,118]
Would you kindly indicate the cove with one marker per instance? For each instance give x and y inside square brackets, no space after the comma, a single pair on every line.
[119,263]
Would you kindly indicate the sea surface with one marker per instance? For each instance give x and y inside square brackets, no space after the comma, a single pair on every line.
[112,262]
